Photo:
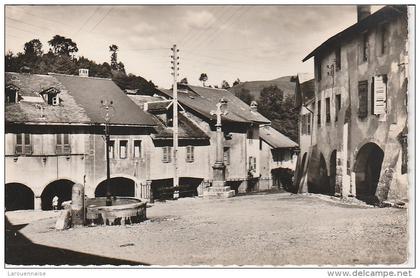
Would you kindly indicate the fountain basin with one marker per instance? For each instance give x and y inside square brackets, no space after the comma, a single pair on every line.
[124,210]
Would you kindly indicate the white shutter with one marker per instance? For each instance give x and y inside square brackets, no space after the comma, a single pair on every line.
[379,96]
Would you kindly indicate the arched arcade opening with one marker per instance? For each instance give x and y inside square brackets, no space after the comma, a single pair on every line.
[119,186]
[367,170]
[60,188]
[18,197]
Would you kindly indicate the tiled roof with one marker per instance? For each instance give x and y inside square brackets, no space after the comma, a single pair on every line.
[276,139]
[203,100]
[79,101]
[30,84]
[186,129]
[88,92]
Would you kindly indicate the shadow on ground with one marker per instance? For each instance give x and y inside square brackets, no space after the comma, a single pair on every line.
[19,250]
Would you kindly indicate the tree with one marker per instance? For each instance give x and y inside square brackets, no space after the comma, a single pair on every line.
[114,63]
[279,110]
[33,48]
[245,96]
[225,85]
[62,46]
[236,82]
[184,81]
[203,78]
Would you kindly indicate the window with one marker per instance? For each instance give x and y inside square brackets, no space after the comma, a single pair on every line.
[363,99]
[190,154]
[365,47]
[319,113]
[250,135]
[137,149]
[337,58]
[166,154]
[308,123]
[226,155]
[384,38]
[252,163]
[123,149]
[327,110]
[337,105]
[303,124]
[23,143]
[379,94]
[62,144]
[111,149]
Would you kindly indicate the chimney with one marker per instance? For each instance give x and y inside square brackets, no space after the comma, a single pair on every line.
[84,72]
[254,106]
[363,11]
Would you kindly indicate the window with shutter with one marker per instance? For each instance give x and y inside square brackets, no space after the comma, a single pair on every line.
[308,118]
[62,144]
[123,149]
[166,154]
[337,105]
[327,110]
[303,125]
[319,113]
[379,95]
[363,99]
[190,154]
[226,155]
[137,149]
[23,144]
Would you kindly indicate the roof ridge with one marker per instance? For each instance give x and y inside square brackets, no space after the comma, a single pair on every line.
[71,75]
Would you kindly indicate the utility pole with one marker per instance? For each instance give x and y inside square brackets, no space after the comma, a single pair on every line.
[107,105]
[175,69]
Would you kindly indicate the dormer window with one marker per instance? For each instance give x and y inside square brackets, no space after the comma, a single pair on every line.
[51,96]
[12,94]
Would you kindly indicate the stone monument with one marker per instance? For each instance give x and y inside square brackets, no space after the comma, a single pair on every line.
[219,188]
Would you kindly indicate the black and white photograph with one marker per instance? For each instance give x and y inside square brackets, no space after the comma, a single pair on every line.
[199,135]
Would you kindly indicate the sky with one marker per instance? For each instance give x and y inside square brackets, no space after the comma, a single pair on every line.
[225,42]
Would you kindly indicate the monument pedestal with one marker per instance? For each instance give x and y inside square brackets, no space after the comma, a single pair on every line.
[218,192]
[218,188]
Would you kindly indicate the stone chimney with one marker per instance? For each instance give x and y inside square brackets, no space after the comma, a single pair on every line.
[84,72]
[254,106]
[363,11]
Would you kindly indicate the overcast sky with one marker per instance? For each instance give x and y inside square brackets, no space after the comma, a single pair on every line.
[226,42]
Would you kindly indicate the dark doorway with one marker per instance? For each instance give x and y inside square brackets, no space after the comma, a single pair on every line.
[60,188]
[18,197]
[333,172]
[367,170]
[322,183]
[119,187]
[163,189]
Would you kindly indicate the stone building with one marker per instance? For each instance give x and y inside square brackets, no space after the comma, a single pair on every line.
[356,124]
[247,167]
[54,138]
[278,157]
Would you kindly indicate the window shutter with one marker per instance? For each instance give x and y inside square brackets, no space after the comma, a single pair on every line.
[363,99]
[19,149]
[379,96]
[165,154]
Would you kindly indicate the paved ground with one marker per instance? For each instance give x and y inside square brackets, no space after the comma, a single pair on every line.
[274,229]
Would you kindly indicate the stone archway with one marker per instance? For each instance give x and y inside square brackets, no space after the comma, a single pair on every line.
[321,183]
[61,188]
[367,170]
[333,172]
[119,186]
[18,197]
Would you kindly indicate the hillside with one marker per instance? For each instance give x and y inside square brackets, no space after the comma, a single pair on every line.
[255,87]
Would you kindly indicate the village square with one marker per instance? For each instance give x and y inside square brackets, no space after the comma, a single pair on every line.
[105,167]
